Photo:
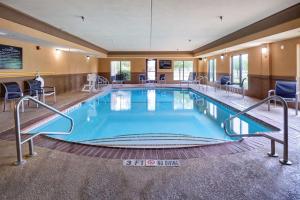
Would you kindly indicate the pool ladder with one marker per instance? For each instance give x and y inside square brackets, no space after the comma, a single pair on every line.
[284,160]
[19,140]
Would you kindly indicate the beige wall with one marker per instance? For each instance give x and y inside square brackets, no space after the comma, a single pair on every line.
[264,69]
[277,62]
[284,61]
[290,25]
[139,64]
[48,61]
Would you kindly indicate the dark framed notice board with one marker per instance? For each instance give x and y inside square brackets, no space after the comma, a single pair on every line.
[11,57]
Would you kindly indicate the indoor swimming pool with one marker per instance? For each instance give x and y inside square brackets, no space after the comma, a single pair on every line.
[151,117]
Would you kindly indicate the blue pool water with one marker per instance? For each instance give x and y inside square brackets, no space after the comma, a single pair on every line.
[151,117]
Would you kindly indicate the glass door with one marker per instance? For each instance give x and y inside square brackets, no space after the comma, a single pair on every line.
[244,69]
[236,73]
[151,69]
[239,69]
[212,71]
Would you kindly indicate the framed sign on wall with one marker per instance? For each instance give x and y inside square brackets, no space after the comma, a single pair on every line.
[11,57]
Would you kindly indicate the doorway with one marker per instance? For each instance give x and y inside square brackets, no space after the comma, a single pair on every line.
[151,65]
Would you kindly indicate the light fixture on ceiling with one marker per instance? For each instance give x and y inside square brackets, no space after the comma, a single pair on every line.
[57,53]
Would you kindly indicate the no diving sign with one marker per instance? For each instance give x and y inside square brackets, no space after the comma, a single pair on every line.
[151,163]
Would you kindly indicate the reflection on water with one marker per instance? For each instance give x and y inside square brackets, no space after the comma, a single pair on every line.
[120,100]
[153,111]
[151,100]
[182,101]
[179,100]
[91,111]
[239,126]
[212,110]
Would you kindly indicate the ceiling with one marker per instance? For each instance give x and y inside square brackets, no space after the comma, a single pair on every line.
[125,25]
[4,33]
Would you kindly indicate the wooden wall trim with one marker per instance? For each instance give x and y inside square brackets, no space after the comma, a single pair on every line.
[272,77]
[147,54]
[281,17]
[11,14]
[62,82]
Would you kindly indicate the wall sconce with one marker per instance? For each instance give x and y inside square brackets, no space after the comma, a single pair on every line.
[222,56]
[205,59]
[282,47]
[264,50]
[88,57]
[57,51]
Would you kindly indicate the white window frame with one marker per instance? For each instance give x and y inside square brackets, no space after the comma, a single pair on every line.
[120,67]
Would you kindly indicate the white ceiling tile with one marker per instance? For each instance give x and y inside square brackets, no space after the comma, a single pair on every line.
[125,24]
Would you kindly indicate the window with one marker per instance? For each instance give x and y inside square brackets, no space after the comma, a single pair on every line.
[121,67]
[182,70]
[212,70]
[239,69]
[151,70]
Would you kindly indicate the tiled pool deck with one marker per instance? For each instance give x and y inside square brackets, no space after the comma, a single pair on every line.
[227,168]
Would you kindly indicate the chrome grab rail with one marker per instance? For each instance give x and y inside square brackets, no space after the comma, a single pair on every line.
[19,141]
[284,160]
[203,78]
[102,80]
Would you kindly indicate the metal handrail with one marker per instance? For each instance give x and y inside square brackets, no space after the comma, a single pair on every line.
[103,80]
[203,78]
[19,141]
[285,160]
